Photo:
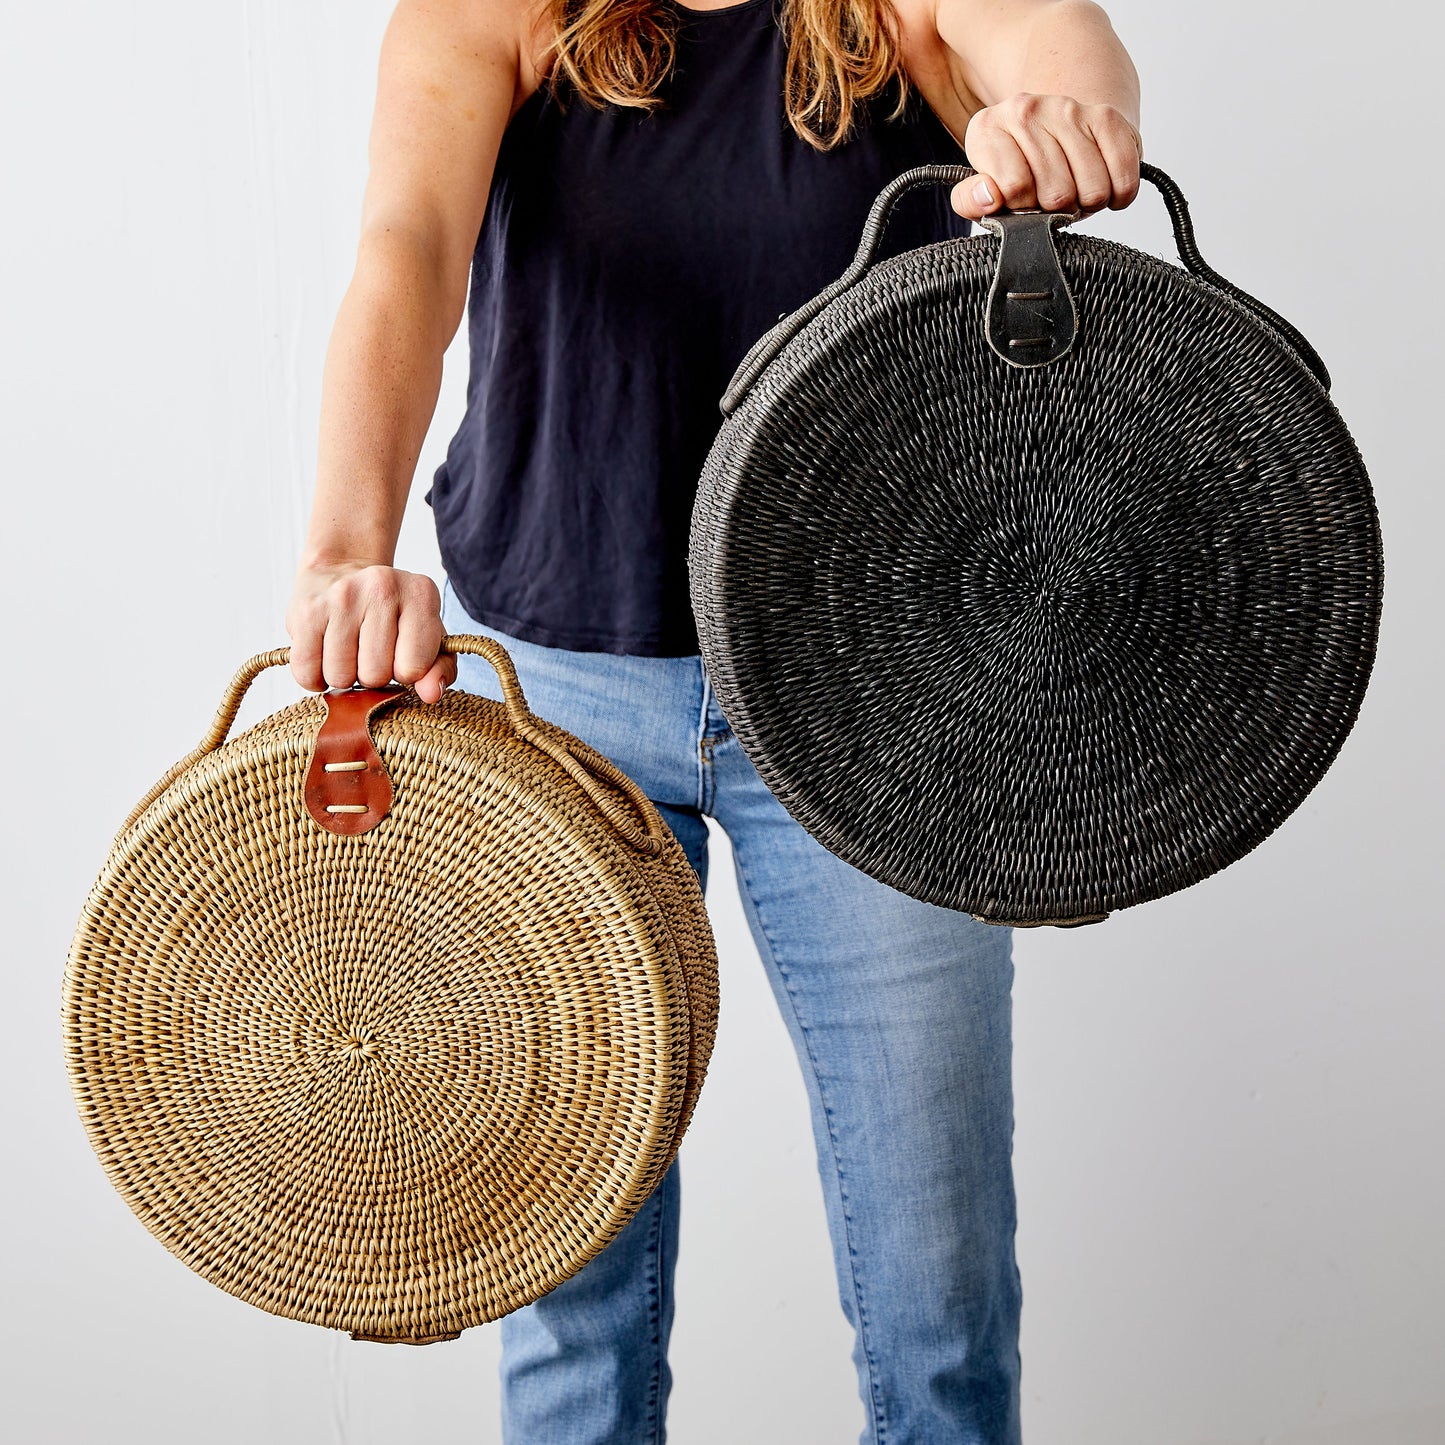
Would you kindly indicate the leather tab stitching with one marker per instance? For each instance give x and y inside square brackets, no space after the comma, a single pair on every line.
[348,789]
[1029,315]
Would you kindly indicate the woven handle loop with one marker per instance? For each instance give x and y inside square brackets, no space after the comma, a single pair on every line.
[772,341]
[230,705]
[649,838]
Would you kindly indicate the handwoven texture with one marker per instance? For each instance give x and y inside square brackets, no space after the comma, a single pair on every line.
[1046,642]
[399,1083]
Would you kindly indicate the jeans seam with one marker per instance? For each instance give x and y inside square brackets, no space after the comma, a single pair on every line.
[699,753]
[654,1297]
[880,1424]
[705,742]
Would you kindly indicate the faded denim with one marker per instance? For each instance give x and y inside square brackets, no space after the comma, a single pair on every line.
[900,1013]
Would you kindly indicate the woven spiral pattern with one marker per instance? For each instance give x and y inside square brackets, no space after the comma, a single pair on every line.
[1037,643]
[399,1083]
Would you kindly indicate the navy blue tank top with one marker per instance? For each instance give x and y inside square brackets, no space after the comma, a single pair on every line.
[626,262]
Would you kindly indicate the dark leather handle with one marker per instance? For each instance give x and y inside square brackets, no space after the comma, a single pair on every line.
[772,341]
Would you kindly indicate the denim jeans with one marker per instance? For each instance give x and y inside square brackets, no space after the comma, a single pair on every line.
[900,1014]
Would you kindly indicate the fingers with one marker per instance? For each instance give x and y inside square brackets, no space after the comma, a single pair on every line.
[343,633]
[376,643]
[1053,179]
[1122,148]
[419,638]
[1091,184]
[306,626]
[1002,167]
[1049,152]
[368,624]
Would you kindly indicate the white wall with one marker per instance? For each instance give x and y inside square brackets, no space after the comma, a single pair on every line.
[1229,1101]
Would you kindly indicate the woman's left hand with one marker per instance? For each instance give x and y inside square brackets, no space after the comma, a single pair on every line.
[1050,152]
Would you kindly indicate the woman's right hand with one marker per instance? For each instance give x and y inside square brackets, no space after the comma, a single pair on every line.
[364,622]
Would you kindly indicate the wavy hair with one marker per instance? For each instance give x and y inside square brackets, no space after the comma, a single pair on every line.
[840,53]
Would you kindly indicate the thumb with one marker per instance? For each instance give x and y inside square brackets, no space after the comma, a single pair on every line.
[977,196]
[437,678]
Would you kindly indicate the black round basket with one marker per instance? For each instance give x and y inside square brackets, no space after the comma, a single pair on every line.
[1038,576]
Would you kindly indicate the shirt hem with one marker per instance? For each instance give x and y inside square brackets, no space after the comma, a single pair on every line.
[586,640]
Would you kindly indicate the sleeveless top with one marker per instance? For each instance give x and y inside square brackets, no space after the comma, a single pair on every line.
[626,262]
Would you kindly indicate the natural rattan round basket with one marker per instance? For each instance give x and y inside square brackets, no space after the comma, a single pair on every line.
[1038,576]
[387,1016]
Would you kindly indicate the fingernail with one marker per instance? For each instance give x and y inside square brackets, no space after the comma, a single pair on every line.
[982,194]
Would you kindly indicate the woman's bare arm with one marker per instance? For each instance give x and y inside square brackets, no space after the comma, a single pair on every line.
[448,75]
[1059,126]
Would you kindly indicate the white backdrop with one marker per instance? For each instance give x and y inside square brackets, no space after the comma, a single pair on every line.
[1231,1182]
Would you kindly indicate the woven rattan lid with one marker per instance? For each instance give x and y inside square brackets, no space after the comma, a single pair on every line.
[401,1081]
[1036,639]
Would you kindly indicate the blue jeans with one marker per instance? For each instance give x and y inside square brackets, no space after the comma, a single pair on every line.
[900,1014]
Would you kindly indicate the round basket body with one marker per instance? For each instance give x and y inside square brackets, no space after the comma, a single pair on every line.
[1038,642]
[400,1082]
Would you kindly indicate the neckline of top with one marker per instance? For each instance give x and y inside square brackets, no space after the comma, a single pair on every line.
[693,13]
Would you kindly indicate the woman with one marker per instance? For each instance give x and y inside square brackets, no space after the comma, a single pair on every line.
[636,189]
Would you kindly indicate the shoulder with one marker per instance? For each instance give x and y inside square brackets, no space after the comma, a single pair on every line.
[481,37]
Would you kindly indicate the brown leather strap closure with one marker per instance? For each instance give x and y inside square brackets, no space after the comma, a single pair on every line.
[348,789]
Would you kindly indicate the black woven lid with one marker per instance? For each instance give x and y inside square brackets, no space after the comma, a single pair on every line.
[1037,643]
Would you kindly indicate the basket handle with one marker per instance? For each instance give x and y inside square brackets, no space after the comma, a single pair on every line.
[772,341]
[650,838]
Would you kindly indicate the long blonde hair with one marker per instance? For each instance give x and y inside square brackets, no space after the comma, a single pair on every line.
[840,53]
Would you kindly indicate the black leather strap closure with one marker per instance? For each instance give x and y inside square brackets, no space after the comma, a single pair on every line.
[1030,318]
